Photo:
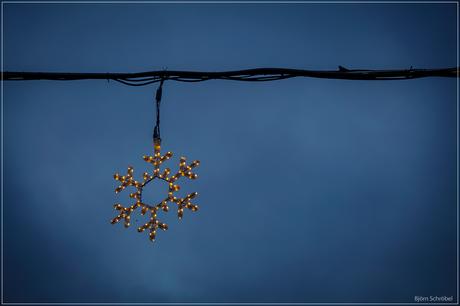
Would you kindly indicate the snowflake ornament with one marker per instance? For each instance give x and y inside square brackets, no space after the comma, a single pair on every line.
[181,203]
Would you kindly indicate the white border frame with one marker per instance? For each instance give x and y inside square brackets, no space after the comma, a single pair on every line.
[225,2]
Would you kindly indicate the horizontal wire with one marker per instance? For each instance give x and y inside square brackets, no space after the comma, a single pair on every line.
[247,75]
[130,83]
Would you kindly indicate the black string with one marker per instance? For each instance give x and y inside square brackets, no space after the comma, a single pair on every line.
[156,130]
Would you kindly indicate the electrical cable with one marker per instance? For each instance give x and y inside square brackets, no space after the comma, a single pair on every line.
[156,130]
[247,75]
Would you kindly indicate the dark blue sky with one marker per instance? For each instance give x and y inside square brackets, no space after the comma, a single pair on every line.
[310,190]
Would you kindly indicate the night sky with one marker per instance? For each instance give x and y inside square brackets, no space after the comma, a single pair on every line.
[310,190]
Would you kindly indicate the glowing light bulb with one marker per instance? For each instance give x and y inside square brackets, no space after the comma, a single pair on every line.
[115,220]
[195,163]
[192,195]
[163,226]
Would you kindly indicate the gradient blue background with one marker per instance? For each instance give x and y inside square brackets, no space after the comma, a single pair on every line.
[310,190]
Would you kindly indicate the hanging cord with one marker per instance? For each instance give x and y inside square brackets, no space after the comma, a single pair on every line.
[156,130]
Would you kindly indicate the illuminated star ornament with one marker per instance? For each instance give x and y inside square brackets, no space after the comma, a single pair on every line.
[153,208]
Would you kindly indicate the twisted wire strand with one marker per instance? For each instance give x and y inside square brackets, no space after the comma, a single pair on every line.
[247,75]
